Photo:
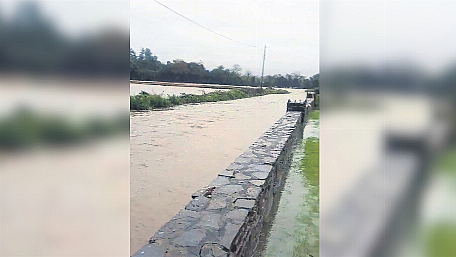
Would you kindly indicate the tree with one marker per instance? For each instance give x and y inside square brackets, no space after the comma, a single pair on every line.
[146,66]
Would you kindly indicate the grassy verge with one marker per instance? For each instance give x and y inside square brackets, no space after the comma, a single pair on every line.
[311,161]
[440,235]
[446,163]
[441,240]
[308,243]
[314,115]
[146,101]
[307,240]
[27,129]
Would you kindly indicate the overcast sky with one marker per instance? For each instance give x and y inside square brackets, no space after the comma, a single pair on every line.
[360,32]
[421,33]
[290,29]
[75,18]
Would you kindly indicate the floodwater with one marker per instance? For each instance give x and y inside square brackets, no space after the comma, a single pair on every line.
[69,200]
[293,230]
[176,152]
[169,90]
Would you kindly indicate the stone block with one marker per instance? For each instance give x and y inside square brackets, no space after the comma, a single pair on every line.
[220,181]
[197,204]
[214,250]
[217,203]
[190,238]
[258,183]
[244,203]
[150,250]
[228,189]
[212,220]
[260,175]
[227,173]
[237,215]
[231,231]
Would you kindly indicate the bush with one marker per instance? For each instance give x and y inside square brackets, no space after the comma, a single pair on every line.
[146,101]
[25,129]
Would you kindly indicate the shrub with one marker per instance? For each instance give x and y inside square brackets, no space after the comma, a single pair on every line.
[146,101]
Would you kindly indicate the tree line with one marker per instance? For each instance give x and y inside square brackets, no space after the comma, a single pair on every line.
[146,66]
[32,43]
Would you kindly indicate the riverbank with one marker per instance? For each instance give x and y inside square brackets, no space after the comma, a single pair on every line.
[26,128]
[294,229]
[146,101]
[177,152]
[308,236]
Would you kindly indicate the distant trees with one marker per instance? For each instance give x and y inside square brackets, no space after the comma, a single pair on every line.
[146,66]
[32,43]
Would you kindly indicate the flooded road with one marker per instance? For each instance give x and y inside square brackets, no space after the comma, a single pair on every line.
[174,153]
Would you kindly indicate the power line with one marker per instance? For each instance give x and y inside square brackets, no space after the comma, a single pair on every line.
[204,27]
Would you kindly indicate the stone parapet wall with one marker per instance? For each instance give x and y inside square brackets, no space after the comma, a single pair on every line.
[226,217]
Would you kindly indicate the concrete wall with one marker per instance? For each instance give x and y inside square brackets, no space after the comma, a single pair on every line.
[226,217]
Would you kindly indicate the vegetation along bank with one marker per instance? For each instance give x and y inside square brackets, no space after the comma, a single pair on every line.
[146,101]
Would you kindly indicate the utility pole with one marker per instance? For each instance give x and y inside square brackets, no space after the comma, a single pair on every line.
[262,70]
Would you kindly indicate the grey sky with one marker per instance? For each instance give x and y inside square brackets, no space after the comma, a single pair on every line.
[421,33]
[290,29]
[75,18]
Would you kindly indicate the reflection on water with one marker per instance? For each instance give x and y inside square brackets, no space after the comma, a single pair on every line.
[176,152]
[293,230]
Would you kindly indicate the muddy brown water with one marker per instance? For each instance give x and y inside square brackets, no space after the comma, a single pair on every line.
[173,153]
[70,200]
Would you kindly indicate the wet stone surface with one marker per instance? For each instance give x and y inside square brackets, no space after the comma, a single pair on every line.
[212,220]
[217,204]
[237,215]
[241,176]
[229,189]
[190,238]
[245,203]
[220,181]
[227,173]
[214,250]
[257,182]
[197,204]
[152,250]
[260,175]
[220,218]
[253,192]
[231,231]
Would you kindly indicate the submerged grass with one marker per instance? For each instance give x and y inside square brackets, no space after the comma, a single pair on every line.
[146,101]
[307,239]
[308,243]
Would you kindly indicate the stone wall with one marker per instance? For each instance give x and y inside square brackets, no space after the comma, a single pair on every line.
[226,217]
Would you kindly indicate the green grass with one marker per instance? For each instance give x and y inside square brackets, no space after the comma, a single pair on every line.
[441,240]
[314,115]
[26,129]
[146,101]
[311,161]
[310,168]
[447,161]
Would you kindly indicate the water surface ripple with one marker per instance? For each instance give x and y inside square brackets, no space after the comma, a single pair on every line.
[176,152]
